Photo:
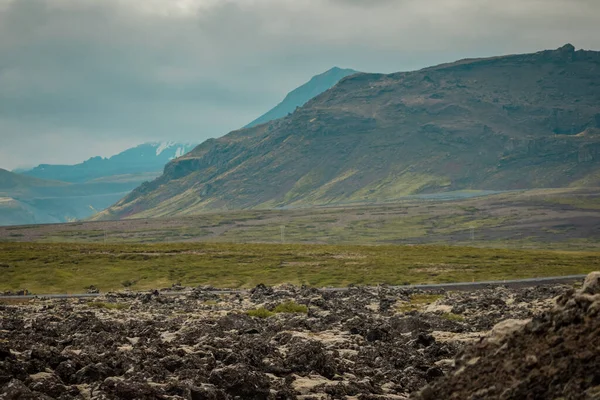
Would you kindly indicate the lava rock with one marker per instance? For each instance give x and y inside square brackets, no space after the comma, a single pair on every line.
[239,380]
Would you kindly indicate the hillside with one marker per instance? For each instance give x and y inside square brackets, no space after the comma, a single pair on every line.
[501,123]
[61,193]
[143,159]
[14,186]
[17,184]
[28,200]
[299,96]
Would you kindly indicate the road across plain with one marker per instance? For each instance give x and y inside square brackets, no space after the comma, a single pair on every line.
[463,286]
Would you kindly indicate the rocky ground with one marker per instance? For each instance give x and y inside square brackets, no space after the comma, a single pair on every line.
[554,356]
[376,343]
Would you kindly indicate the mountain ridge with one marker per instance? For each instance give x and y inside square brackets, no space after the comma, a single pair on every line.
[13,181]
[15,186]
[30,200]
[144,158]
[470,124]
[299,96]
[62,193]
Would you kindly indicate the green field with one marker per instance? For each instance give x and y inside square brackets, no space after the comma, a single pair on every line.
[71,267]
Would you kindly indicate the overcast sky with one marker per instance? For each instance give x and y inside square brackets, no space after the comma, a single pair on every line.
[80,78]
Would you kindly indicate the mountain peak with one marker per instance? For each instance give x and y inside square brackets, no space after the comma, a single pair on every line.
[301,95]
[567,48]
[337,69]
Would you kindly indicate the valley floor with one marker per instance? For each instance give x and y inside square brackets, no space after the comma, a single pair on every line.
[567,219]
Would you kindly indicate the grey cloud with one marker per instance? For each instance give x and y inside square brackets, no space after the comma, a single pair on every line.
[368,3]
[74,71]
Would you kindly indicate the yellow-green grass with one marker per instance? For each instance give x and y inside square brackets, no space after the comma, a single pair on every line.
[260,313]
[70,267]
[453,317]
[291,307]
[418,302]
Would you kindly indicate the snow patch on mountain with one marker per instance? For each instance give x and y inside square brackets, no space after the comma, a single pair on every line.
[179,152]
[164,146]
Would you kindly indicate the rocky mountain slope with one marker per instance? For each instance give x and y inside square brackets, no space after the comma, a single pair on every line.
[299,96]
[509,122]
[147,158]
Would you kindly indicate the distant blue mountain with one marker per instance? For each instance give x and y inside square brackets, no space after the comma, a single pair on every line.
[62,193]
[148,158]
[299,96]
[30,200]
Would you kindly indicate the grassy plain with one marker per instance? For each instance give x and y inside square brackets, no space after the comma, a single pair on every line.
[567,219]
[71,267]
[509,235]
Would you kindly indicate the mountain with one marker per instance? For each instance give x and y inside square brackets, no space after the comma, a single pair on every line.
[299,96]
[500,123]
[61,193]
[29,200]
[148,159]
[17,184]
[13,186]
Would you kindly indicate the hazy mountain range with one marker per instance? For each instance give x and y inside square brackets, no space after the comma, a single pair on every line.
[143,159]
[500,123]
[60,193]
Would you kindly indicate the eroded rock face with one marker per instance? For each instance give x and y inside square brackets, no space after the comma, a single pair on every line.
[554,355]
[363,343]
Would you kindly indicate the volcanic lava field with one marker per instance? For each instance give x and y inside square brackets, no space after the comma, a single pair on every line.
[291,342]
